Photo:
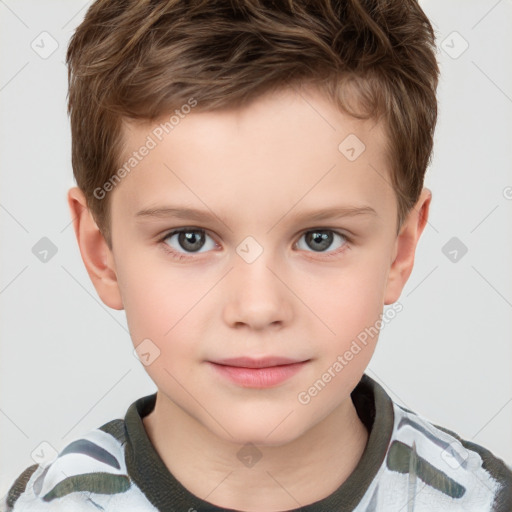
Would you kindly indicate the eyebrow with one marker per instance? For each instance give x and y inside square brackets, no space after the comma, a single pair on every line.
[203,215]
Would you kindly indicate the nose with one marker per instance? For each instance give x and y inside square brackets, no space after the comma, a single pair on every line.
[256,295]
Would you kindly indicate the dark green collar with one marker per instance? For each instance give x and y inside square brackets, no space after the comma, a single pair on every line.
[148,471]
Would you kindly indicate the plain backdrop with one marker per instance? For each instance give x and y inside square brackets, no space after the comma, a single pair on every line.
[66,360]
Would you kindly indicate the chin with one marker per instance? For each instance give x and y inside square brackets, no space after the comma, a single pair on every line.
[260,433]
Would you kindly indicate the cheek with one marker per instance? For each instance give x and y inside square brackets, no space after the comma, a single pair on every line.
[352,297]
[159,301]
[350,307]
[160,314]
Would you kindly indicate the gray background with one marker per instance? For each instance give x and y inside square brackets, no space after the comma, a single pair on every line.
[66,362]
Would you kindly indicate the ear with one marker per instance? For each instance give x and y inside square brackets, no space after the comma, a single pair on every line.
[405,247]
[96,255]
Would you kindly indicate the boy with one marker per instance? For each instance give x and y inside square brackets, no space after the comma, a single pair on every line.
[289,141]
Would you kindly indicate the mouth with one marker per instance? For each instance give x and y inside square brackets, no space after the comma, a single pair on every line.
[258,373]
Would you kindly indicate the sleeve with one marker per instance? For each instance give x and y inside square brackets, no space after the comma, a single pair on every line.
[497,468]
[17,488]
[25,495]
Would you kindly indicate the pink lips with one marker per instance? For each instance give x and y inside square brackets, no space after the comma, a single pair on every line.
[258,373]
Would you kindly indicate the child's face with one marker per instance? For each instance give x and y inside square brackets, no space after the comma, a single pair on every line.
[255,285]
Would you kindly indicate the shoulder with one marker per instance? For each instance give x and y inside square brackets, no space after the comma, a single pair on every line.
[86,475]
[449,470]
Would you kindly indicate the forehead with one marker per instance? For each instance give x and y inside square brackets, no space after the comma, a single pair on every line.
[288,149]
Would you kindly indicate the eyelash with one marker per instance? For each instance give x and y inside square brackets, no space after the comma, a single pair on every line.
[182,256]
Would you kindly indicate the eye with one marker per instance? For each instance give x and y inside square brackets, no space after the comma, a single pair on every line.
[190,240]
[183,243]
[321,239]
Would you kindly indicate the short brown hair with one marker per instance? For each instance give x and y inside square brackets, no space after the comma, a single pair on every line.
[140,59]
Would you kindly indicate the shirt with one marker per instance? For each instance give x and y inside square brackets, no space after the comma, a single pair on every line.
[408,465]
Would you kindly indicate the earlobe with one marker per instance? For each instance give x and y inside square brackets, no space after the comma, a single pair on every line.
[96,255]
[405,247]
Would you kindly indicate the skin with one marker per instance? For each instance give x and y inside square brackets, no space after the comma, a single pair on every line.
[255,168]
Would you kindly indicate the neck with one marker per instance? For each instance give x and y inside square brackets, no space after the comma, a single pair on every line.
[287,476]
